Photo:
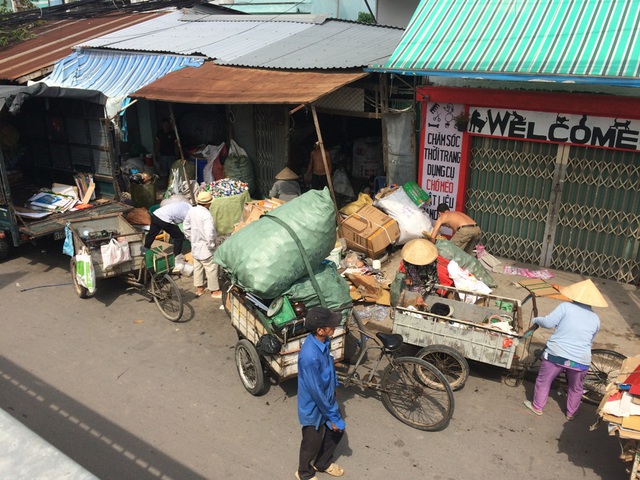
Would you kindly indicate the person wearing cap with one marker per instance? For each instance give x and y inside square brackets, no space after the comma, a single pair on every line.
[466,233]
[168,218]
[318,412]
[568,349]
[417,270]
[286,186]
[200,230]
[316,173]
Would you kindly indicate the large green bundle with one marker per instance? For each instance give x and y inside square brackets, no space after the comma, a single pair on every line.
[452,252]
[265,259]
[227,211]
[237,166]
[333,288]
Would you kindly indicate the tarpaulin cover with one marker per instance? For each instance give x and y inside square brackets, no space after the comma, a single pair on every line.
[263,257]
[14,96]
[452,252]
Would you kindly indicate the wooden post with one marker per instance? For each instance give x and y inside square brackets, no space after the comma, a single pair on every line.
[327,169]
[183,160]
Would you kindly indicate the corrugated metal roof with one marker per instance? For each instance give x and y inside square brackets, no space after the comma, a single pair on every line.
[54,41]
[259,41]
[116,74]
[547,39]
[232,85]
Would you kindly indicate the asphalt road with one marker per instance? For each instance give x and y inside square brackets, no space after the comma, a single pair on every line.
[132,396]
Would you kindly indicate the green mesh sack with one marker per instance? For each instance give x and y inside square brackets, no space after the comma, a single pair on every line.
[333,288]
[237,166]
[227,211]
[263,257]
[452,252]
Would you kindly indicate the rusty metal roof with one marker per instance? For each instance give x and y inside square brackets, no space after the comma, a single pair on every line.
[220,84]
[35,57]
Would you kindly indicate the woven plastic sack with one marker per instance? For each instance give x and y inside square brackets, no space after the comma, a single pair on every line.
[227,211]
[333,287]
[452,252]
[264,259]
[411,220]
[237,166]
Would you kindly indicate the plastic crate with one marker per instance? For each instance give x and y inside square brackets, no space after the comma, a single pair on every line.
[160,258]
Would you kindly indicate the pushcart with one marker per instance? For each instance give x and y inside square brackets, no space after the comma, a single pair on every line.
[90,233]
[412,390]
[488,330]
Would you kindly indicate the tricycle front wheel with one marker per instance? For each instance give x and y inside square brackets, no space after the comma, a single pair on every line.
[82,292]
[249,367]
[167,296]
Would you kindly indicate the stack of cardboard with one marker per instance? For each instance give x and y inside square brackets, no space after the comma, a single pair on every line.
[255,209]
[621,403]
[370,230]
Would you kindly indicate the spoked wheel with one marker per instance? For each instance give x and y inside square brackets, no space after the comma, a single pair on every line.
[448,360]
[82,292]
[410,400]
[167,296]
[605,367]
[249,367]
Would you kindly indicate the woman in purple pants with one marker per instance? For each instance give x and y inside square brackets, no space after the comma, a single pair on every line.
[569,347]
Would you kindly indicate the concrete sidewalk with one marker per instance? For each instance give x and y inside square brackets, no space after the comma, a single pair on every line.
[620,322]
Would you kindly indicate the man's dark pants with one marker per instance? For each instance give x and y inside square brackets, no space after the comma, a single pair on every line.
[318,445]
[174,232]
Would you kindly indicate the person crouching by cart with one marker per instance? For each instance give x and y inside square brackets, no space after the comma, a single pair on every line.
[568,349]
[318,412]
[200,230]
[417,270]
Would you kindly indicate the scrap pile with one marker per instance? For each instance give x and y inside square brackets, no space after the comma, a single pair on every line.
[620,407]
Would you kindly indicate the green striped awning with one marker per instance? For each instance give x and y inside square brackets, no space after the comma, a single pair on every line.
[580,40]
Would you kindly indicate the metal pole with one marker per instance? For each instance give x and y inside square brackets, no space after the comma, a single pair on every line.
[183,160]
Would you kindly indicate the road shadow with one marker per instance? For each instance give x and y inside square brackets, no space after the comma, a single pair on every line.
[92,441]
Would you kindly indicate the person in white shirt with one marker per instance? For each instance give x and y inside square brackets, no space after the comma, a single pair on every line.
[168,218]
[200,230]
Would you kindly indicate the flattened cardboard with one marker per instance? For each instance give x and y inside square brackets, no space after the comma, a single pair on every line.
[540,288]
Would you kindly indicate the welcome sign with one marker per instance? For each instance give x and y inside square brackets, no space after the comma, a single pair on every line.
[584,130]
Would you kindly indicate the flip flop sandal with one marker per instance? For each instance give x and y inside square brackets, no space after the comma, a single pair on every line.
[529,405]
[334,470]
[198,295]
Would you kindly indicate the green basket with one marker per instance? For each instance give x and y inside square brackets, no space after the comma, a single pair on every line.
[285,314]
[158,261]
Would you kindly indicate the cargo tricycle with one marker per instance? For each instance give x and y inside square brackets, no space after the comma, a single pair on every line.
[148,271]
[270,338]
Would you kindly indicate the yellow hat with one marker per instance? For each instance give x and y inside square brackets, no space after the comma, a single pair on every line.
[584,292]
[286,174]
[419,252]
[204,198]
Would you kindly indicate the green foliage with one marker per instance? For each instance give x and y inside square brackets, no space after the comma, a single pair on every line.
[365,17]
[9,35]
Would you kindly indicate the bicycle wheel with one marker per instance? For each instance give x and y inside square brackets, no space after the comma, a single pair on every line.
[604,368]
[249,367]
[412,402]
[167,296]
[448,360]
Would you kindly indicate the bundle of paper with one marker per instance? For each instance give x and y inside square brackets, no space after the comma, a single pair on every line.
[51,202]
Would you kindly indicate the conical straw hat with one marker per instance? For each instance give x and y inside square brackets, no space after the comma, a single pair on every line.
[584,292]
[419,252]
[286,174]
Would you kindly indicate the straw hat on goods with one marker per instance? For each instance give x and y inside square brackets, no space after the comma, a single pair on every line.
[584,292]
[419,252]
[204,198]
[286,174]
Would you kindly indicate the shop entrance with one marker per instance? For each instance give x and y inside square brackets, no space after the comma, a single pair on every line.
[565,207]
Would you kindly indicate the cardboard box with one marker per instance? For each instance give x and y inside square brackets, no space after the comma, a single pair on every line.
[159,258]
[370,230]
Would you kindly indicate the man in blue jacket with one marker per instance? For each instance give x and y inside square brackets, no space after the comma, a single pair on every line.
[322,424]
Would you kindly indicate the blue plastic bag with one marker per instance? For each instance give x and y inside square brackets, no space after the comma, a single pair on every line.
[67,248]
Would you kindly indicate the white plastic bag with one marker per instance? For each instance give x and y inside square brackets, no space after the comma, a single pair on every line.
[464,280]
[411,219]
[114,253]
[85,273]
